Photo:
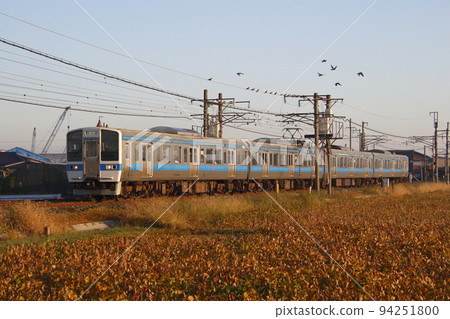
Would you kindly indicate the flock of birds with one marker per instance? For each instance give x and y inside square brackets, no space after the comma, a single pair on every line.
[332,68]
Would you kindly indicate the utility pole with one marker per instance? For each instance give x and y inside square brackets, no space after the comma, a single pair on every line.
[425,163]
[316,139]
[329,145]
[350,135]
[447,171]
[220,103]
[323,126]
[362,141]
[205,113]
[435,144]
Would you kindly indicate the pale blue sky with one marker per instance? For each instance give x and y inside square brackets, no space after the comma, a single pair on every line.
[402,46]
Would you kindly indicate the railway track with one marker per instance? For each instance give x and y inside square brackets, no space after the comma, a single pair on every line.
[80,202]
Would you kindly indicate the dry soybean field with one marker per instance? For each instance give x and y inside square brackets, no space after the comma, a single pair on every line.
[394,242]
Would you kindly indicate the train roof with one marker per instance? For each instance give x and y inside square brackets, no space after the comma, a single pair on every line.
[174,130]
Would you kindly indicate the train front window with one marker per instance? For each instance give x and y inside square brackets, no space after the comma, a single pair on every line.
[74,142]
[110,146]
[91,149]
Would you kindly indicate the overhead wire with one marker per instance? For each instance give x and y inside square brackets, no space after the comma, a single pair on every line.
[90,111]
[88,69]
[84,97]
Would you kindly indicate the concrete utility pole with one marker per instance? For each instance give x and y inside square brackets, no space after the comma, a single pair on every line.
[205,113]
[425,163]
[350,134]
[447,172]
[220,122]
[435,144]
[329,148]
[316,139]
[362,145]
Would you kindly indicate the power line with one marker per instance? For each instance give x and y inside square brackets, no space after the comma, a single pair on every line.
[90,111]
[108,50]
[379,115]
[85,89]
[84,97]
[88,69]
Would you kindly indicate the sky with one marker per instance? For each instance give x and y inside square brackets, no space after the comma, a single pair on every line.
[401,46]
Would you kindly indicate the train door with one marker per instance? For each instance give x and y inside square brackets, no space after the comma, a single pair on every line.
[231,156]
[291,162]
[194,160]
[265,164]
[148,155]
[91,159]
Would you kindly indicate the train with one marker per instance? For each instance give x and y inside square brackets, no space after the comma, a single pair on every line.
[103,161]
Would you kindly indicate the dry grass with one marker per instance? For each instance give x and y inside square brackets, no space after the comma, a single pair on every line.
[28,218]
[420,188]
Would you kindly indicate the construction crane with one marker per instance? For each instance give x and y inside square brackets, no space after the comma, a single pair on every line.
[55,131]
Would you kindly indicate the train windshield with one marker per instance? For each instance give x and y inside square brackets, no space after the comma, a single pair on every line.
[110,146]
[74,143]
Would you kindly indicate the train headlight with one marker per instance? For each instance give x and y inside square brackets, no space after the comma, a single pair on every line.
[74,167]
[111,167]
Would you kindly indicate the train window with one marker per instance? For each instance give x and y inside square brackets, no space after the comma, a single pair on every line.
[276,158]
[165,153]
[74,142]
[209,156]
[149,153]
[185,155]
[127,150]
[231,157]
[299,160]
[264,159]
[224,157]
[218,156]
[240,157]
[136,152]
[91,148]
[283,161]
[202,155]
[144,153]
[109,146]
[177,154]
[195,156]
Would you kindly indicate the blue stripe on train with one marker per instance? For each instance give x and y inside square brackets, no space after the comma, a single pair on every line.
[302,169]
[171,167]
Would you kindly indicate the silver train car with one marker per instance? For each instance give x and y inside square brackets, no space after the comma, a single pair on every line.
[103,161]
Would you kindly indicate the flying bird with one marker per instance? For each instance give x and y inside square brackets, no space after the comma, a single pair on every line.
[240,73]
[248,88]
[265,92]
[252,89]
[333,67]
[323,61]
[337,84]
[319,74]
[210,79]
[257,90]
[360,74]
